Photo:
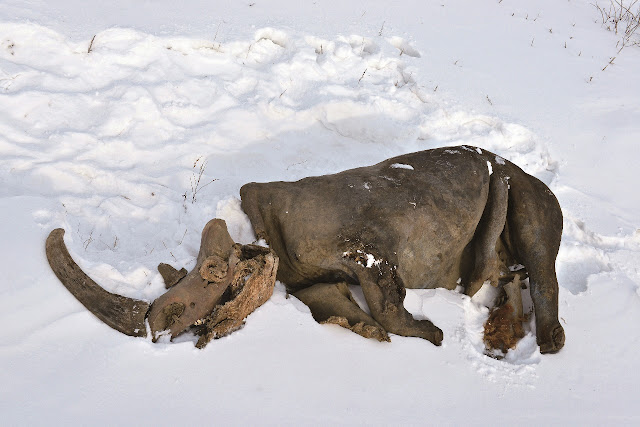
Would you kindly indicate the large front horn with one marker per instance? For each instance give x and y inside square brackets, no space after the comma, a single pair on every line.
[121,313]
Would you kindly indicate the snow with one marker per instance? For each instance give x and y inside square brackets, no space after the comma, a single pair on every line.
[362,257]
[371,261]
[402,166]
[134,146]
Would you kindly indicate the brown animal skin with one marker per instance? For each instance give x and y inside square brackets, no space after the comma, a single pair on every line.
[421,220]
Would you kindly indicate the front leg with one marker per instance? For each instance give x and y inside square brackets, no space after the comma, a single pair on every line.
[384,293]
[333,303]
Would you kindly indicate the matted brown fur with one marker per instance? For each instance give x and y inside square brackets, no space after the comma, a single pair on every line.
[503,329]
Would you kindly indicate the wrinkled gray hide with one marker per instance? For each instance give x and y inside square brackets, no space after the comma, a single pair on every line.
[420,220]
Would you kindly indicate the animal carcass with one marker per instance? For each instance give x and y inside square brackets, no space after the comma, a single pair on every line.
[429,219]
[435,218]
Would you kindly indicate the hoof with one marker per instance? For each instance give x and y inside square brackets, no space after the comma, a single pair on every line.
[429,332]
[554,343]
[438,337]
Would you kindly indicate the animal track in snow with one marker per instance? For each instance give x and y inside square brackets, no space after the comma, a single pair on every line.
[584,253]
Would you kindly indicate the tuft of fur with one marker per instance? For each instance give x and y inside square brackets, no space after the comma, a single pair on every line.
[503,329]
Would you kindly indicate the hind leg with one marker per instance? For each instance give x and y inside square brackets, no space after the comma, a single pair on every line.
[535,223]
[544,293]
[486,264]
[333,303]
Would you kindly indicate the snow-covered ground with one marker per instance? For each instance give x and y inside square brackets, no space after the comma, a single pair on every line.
[110,143]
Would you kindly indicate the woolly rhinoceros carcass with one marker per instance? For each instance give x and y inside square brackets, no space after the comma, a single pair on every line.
[436,218]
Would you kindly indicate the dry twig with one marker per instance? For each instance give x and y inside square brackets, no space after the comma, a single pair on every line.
[91,44]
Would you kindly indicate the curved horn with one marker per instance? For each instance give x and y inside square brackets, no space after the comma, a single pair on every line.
[123,314]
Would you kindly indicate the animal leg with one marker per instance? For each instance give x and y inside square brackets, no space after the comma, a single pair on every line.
[486,265]
[535,224]
[333,303]
[385,292]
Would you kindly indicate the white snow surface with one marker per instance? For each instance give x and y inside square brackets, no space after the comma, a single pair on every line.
[133,146]
[402,166]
